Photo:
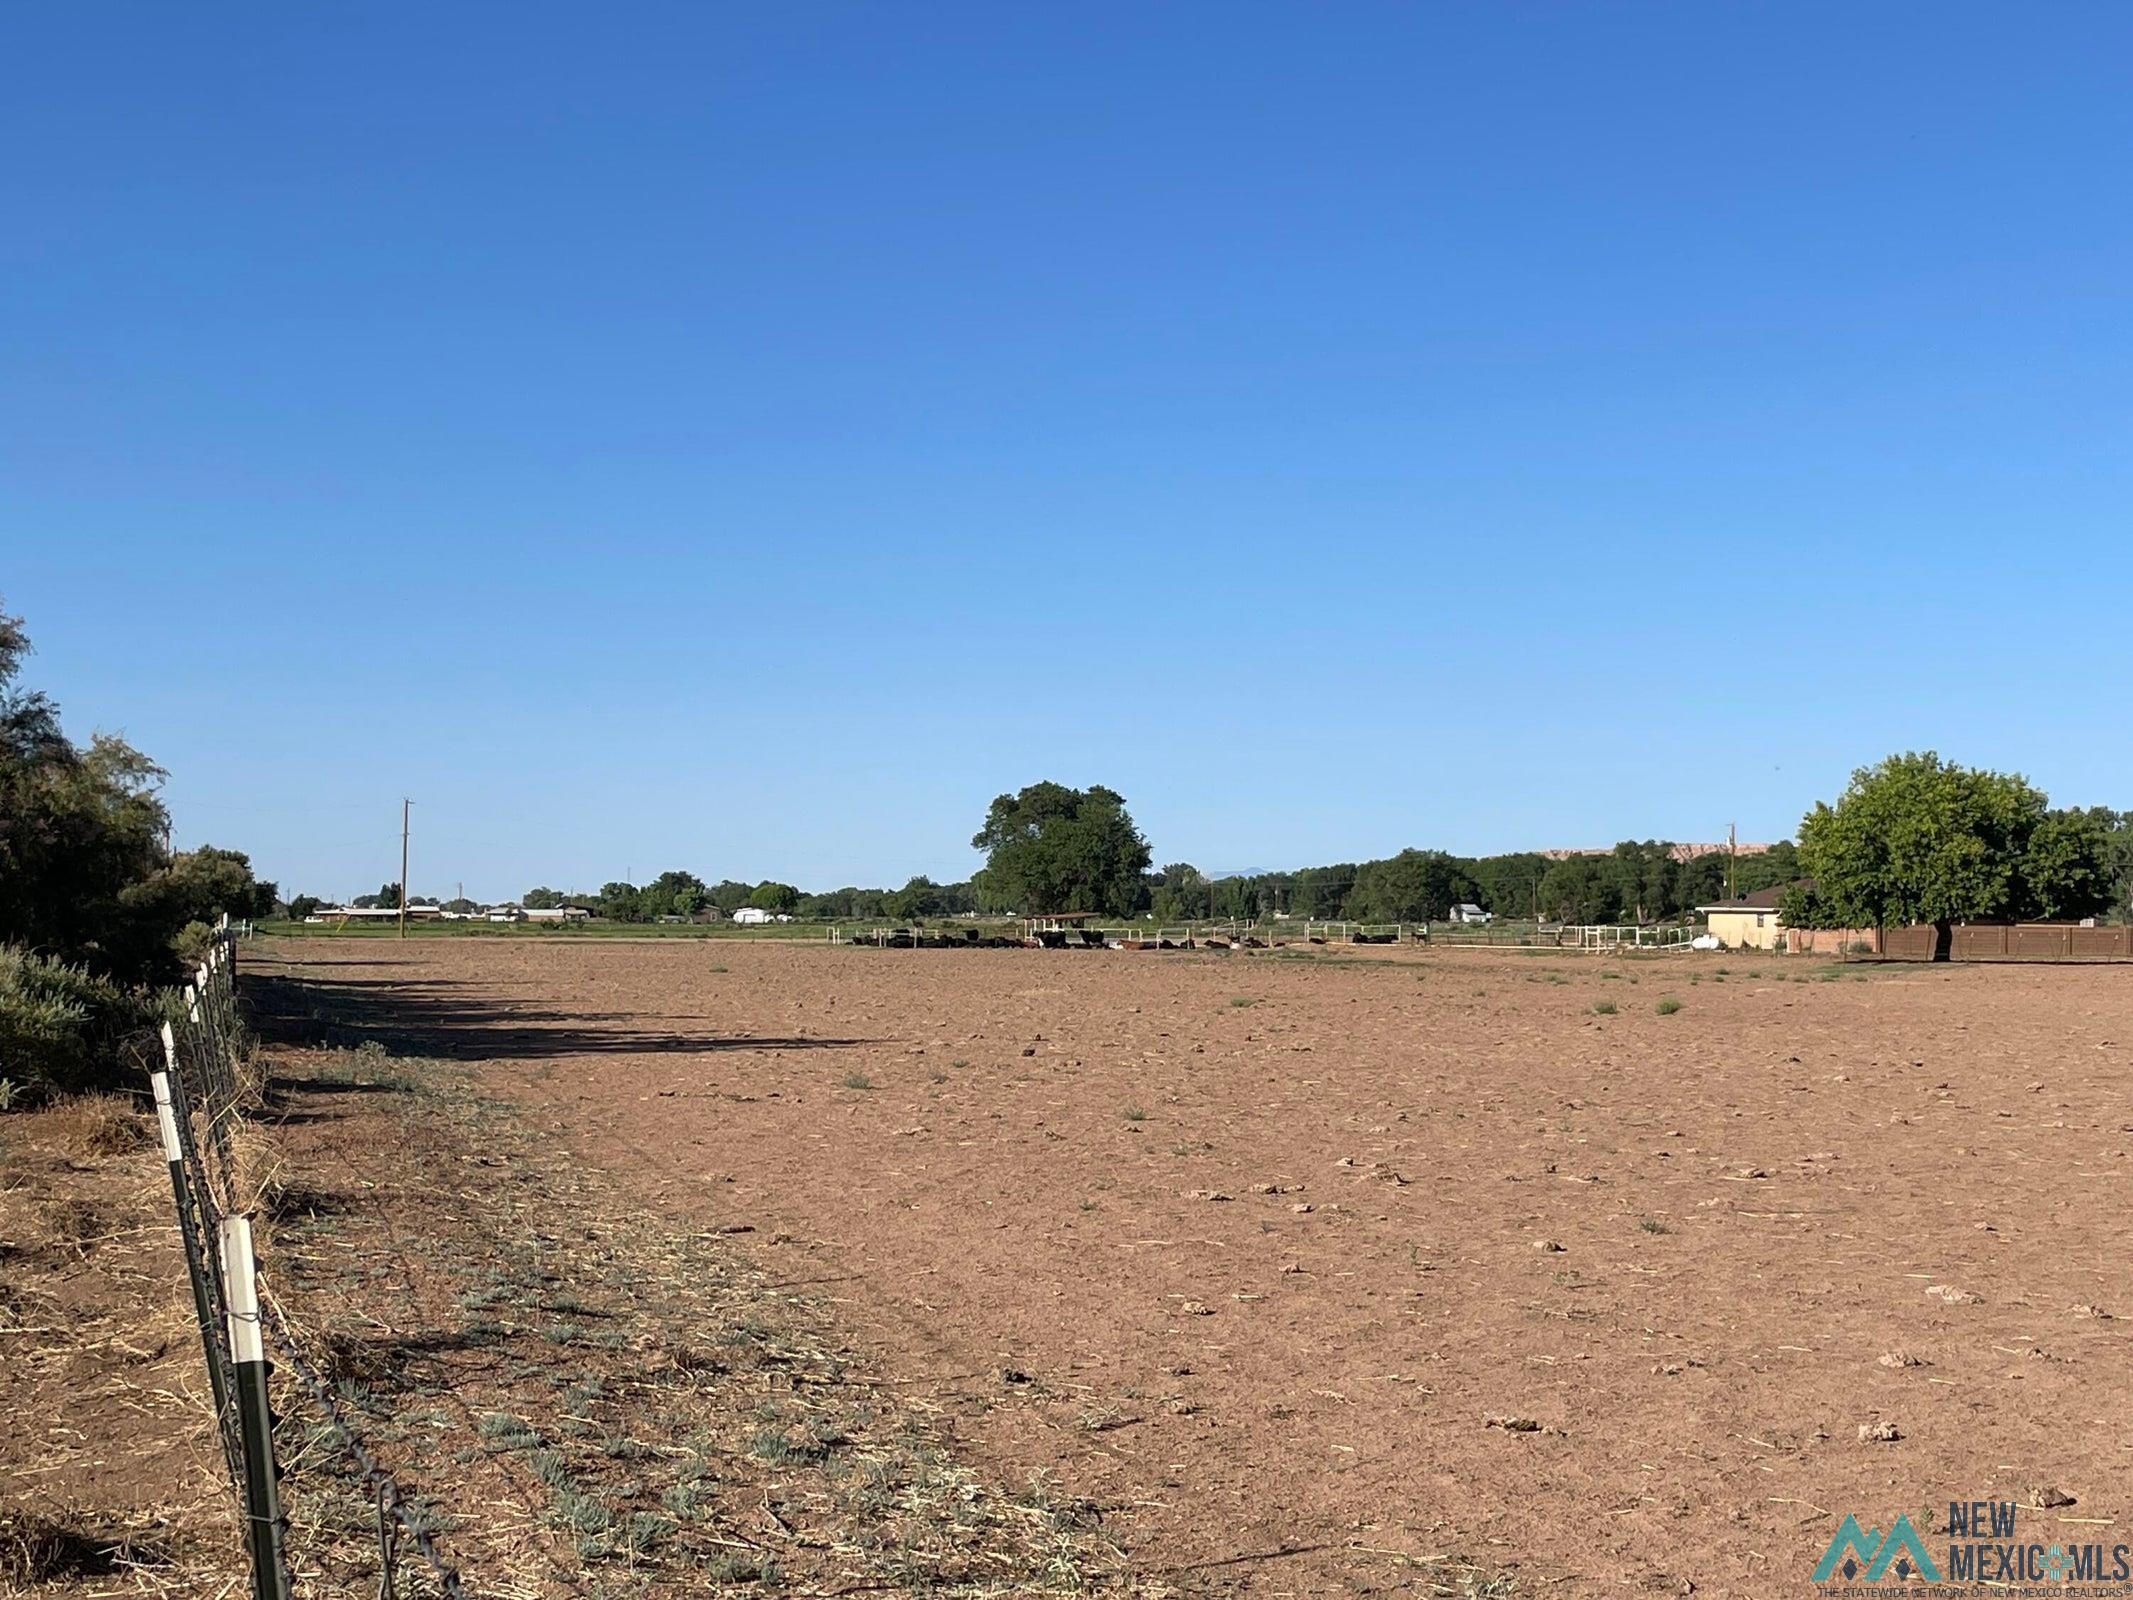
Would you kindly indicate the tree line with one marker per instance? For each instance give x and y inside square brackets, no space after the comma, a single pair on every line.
[1636,881]
[684,895]
[1909,823]
[1052,848]
[96,910]
[1914,839]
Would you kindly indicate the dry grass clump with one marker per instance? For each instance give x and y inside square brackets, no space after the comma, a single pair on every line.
[36,1551]
[256,1173]
[73,1222]
[348,1355]
[88,1127]
[94,1308]
[107,1125]
[80,1175]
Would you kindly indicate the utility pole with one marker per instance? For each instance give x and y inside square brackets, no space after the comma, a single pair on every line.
[1732,893]
[404,804]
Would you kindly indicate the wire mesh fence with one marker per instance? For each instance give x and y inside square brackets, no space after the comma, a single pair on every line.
[201,1096]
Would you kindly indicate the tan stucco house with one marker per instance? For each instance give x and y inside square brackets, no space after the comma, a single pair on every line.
[1753,922]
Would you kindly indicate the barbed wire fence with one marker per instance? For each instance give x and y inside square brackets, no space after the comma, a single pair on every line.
[201,1093]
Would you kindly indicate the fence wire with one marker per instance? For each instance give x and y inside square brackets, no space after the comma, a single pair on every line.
[204,1089]
[394,1517]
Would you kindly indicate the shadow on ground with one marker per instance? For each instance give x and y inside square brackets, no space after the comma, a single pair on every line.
[436,1019]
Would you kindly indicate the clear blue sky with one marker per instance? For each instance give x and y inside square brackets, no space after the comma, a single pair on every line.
[750,438]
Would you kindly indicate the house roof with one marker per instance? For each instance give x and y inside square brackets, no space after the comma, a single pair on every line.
[1761,900]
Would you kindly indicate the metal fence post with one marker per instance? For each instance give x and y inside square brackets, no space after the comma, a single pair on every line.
[189,1240]
[262,1493]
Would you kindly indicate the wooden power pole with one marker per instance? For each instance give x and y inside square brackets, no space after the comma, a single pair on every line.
[404,804]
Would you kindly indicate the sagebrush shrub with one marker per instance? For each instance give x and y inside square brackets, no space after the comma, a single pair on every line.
[60,1026]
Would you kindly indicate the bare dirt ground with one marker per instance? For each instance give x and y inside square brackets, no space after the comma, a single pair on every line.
[110,1476]
[662,1268]
[1340,1275]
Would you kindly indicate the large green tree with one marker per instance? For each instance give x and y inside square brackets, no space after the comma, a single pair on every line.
[2117,829]
[1051,848]
[618,902]
[1318,892]
[1413,886]
[1922,840]
[917,900]
[1646,879]
[1510,885]
[673,894]
[1182,896]
[770,895]
[1582,889]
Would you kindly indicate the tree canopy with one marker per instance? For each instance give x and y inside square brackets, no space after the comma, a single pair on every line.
[85,871]
[1920,840]
[1051,848]
[93,904]
[1582,889]
[1413,886]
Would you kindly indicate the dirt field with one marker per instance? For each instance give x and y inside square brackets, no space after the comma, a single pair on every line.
[1346,1274]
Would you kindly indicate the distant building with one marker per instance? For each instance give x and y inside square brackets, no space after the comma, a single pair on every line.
[374,914]
[1753,922]
[751,914]
[1467,911]
[558,914]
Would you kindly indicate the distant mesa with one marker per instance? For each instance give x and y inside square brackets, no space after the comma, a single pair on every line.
[1680,852]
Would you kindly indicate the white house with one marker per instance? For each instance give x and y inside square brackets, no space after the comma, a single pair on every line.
[752,914]
[1467,911]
